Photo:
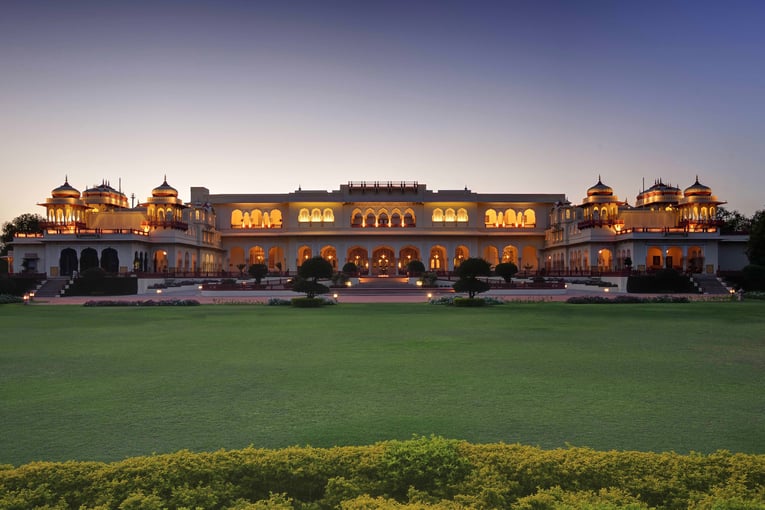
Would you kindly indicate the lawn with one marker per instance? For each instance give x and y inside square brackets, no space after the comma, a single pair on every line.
[108,383]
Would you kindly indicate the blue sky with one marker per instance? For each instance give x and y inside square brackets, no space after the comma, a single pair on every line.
[512,96]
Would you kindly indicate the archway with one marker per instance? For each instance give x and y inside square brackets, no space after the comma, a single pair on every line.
[110,261]
[654,258]
[695,259]
[160,261]
[257,255]
[491,255]
[437,261]
[329,253]
[674,258]
[67,262]
[360,257]
[605,259]
[276,259]
[88,259]
[383,260]
[460,253]
[510,254]
[304,253]
[406,255]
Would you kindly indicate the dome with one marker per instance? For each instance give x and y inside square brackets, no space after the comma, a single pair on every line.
[65,191]
[600,189]
[164,190]
[697,189]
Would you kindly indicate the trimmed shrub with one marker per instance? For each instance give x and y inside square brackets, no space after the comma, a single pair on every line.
[663,281]
[469,302]
[421,473]
[6,299]
[307,302]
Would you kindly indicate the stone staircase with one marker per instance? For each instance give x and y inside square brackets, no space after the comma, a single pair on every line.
[52,287]
[709,284]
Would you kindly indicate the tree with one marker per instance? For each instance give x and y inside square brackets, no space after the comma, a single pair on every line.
[258,271]
[506,270]
[733,221]
[755,249]
[309,274]
[27,223]
[350,268]
[415,267]
[468,272]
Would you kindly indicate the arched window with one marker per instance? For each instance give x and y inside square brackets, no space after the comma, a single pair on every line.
[276,218]
[236,218]
[358,219]
[395,220]
[316,214]
[490,218]
[529,218]
[382,219]
[304,216]
[510,218]
[371,221]
[329,215]
[409,219]
[462,215]
[449,215]
[256,218]
[438,214]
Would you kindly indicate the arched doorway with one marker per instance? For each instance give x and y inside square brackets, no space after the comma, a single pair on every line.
[276,259]
[405,256]
[329,253]
[605,259]
[491,255]
[654,258]
[510,254]
[437,261]
[304,253]
[674,259]
[88,259]
[67,262]
[360,257]
[110,261]
[460,253]
[257,255]
[695,259]
[383,260]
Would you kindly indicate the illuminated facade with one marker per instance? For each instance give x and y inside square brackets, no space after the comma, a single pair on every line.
[379,226]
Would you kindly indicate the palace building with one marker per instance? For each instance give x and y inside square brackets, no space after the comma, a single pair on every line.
[380,226]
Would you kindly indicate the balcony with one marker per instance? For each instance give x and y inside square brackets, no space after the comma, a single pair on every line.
[582,225]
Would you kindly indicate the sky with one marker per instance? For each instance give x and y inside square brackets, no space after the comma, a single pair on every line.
[266,97]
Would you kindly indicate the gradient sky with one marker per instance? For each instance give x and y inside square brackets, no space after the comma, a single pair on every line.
[508,96]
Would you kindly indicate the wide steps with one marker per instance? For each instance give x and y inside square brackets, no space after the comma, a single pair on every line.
[710,284]
[52,287]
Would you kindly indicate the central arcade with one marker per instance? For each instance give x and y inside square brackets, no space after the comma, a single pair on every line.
[381,226]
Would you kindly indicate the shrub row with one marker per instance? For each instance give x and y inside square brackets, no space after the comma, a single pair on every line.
[425,472]
[149,302]
[665,280]
[8,299]
[625,299]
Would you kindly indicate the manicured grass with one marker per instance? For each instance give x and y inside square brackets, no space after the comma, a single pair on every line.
[107,383]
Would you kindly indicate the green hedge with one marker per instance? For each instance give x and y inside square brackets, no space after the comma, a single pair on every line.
[107,286]
[663,281]
[420,473]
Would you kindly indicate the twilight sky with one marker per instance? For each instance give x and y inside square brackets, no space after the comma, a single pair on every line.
[505,96]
